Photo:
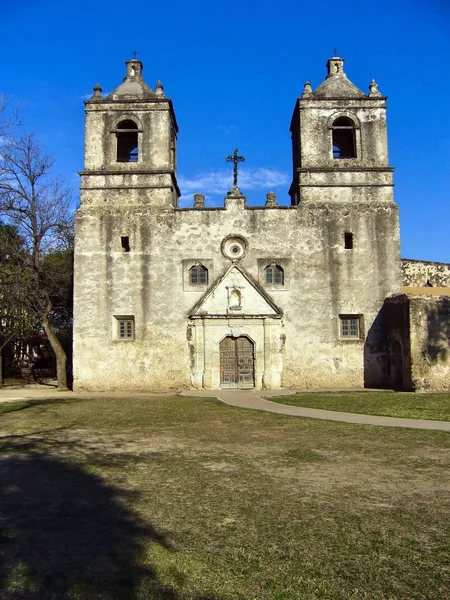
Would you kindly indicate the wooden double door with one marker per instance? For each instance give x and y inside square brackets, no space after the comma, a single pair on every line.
[237,362]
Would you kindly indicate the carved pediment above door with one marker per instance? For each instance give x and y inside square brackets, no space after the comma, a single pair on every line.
[236,294]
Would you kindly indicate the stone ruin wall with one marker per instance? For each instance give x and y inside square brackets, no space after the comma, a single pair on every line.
[421,323]
[420,273]
[430,342]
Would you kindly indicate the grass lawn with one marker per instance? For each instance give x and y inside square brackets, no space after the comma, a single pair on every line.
[184,498]
[389,404]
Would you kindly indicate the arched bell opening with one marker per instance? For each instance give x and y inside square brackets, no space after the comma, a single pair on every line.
[127,134]
[343,138]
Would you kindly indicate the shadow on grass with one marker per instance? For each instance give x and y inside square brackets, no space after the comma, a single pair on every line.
[66,534]
[18,405]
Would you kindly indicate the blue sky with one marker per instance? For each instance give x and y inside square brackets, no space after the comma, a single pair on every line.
[234,70]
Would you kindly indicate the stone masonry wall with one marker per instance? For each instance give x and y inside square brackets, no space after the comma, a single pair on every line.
[416,273]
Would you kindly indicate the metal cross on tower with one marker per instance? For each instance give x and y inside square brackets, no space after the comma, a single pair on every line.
[235,159]
[135,53]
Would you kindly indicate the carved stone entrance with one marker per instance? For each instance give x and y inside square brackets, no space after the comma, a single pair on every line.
[237,363]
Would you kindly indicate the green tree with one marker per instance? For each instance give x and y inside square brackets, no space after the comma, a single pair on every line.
[15,323]
[37,205]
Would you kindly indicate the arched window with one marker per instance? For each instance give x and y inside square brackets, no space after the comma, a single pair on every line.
[127,141]
[198,275]
[274,274]
[343,138]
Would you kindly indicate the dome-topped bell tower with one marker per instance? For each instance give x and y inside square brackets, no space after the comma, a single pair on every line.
[130,145]
[339,142]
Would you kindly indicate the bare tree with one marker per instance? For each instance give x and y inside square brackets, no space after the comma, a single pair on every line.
[37,205]
[9,117]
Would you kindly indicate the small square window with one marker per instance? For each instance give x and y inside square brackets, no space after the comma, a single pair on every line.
[350,327]
[124,328]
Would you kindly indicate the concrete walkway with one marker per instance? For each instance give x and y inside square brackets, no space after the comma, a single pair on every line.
[251,399]
[256,400]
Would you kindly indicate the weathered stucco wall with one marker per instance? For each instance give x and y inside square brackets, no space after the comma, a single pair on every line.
[326,280]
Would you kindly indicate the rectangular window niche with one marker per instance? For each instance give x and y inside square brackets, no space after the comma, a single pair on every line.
[125,243]
[348,240]
[123,328]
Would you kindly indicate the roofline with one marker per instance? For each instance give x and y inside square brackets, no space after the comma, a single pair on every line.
[364,97]
[428,262]
[234,316]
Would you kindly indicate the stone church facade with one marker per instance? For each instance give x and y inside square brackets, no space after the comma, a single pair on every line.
[268,296]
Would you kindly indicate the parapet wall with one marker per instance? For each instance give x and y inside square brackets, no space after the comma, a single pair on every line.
[422,273]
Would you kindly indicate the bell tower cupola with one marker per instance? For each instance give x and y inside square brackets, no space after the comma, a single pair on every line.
[339,142]
[130,145]
[134,69]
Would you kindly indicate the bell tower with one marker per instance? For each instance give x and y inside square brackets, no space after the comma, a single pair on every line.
[128,186]
[342,186]
[339,142]
[130,145]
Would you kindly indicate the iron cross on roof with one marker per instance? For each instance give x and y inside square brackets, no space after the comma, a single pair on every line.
[235,159]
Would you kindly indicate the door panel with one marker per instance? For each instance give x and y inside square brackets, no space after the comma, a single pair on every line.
[245,362]
[228,363]
[237,363]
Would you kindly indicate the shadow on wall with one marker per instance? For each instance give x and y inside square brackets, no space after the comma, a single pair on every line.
[376,367]
[438,323]
[67,534]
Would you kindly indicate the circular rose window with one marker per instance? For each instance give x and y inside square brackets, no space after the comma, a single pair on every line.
[234,247]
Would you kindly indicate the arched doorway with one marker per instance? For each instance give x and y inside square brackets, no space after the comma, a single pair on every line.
[396,366]
[237,362]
